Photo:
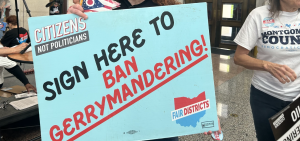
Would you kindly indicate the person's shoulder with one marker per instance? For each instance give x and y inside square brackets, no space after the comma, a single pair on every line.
[12,31]
[23,29]
[259,11]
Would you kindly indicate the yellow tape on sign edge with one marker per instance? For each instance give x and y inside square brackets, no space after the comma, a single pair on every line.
[81,1]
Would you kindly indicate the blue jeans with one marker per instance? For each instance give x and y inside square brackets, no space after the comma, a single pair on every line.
[263,107]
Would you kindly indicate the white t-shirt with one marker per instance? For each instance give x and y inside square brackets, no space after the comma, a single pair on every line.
[277,41]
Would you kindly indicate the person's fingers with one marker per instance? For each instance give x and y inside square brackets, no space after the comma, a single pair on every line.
[77,12]
[277,75]
[277,71]
[24,44]
[76,1]
[22,47]
[78,7]
[205,133]
[30,87]
[19,48]
[34,89]
[292,72]
[209,132]
[220,130]
[27,89]
[281,72]
[289,75]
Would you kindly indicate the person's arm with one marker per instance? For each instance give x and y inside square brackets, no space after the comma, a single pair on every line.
[242,58]
[17,49]
[19,74]
[282,72]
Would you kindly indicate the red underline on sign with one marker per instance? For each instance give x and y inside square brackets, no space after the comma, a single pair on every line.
[138,98]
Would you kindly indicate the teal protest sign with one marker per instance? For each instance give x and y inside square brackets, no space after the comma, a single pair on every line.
[124,75]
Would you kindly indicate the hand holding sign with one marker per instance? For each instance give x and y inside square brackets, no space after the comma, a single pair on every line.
[219,131]
[216,134]
[77,9]
[81,6]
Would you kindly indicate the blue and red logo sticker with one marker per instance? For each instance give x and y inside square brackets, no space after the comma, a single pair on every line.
[23,38]
[188,112]
[268,21]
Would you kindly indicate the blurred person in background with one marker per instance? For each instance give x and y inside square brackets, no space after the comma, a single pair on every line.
[54,10]
[4,5]
[12,66]
[275,81]
[11,37]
